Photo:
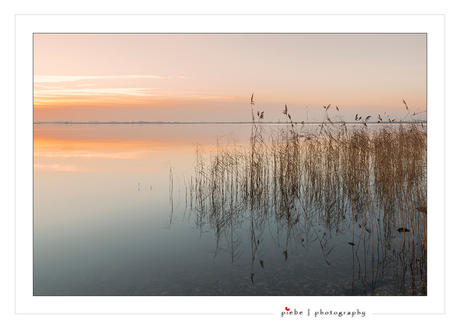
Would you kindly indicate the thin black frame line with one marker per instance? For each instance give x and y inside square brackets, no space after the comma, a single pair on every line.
[235,33]
[33,164]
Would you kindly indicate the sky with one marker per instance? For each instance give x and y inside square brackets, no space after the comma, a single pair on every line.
[211,77]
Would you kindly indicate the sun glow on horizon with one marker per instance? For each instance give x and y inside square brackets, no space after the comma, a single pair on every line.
[210,77]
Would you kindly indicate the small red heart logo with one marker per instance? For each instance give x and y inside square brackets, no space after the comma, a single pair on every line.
[287,308]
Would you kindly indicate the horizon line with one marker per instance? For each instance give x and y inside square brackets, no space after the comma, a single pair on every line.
[224,122]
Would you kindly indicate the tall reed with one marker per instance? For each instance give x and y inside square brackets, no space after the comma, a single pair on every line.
[369,181]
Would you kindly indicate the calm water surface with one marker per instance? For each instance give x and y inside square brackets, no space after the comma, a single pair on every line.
[112,217]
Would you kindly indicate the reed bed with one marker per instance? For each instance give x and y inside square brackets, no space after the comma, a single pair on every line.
[308,186]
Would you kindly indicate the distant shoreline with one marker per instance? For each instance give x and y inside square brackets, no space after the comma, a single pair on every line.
[225,123]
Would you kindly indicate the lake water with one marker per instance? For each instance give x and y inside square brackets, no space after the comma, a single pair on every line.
[113,216]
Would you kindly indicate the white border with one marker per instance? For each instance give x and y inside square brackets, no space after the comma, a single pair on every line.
[26,25]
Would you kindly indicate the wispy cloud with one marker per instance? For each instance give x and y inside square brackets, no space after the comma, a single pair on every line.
[94,92]
[53,89]
[39,86]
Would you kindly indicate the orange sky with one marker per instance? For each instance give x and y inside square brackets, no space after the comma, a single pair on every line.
[210,77]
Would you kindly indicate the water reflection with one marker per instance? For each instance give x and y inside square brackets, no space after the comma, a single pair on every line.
[141,210]
[338,189]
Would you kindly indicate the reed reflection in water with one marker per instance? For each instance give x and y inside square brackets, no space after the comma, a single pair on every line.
[294,189]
